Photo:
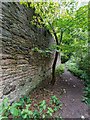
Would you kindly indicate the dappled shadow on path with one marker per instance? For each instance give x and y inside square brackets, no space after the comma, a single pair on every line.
[71,89]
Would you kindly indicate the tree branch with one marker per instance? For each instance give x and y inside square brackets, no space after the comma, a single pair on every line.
[61,36]
[55,35]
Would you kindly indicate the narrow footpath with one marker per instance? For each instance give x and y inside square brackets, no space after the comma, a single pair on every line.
[71,99]
[70,88]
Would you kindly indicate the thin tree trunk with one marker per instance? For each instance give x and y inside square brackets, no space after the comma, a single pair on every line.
[55,59]
[53,69]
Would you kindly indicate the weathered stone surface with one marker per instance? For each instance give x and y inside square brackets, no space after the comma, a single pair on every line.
[8,88]
[22,68]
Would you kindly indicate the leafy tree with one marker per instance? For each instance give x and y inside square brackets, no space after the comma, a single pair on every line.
[64,22]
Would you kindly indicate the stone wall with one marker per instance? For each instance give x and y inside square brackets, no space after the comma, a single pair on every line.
[22,68]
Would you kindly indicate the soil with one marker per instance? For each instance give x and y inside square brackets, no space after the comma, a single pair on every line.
[69,89]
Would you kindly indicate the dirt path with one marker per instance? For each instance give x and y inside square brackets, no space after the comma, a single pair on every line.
[71,90]
[72,105]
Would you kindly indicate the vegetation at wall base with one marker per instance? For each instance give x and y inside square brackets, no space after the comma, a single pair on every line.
[26,108]
[60,69]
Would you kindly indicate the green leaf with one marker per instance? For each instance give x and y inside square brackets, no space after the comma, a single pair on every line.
[25,116]
[55,108]
[43,116]
[3,117]
[36,114]
[14,111]
[50,110]
[42,105]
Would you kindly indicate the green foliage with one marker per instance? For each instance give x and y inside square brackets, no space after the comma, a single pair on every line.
[48,13]
[60,69]
[26,113]
[50,111]
[4,109]
[14,111]
[65,57]
[44,53]
[72,67]
[55,100]
[23,108]
[42,105]
[71,20]
[86,97]
[84,65]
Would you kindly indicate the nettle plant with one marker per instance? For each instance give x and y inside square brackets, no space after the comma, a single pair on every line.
[26,108]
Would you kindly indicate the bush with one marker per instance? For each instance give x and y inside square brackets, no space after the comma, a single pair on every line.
[85,66]
[86,97]
[72,67]
[60,69]
[25,109]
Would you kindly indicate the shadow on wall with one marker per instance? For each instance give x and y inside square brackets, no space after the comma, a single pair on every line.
[22,69]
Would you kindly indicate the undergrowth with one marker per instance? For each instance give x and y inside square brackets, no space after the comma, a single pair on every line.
[27,109]
[60,69]
[72,67]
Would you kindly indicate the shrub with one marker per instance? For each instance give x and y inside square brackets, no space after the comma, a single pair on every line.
[60,69]
[72,67]
[86,97]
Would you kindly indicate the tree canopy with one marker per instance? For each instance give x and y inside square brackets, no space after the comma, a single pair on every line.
[68,25]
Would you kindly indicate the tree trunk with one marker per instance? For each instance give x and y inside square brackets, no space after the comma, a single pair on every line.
[56,57]
[53,68]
